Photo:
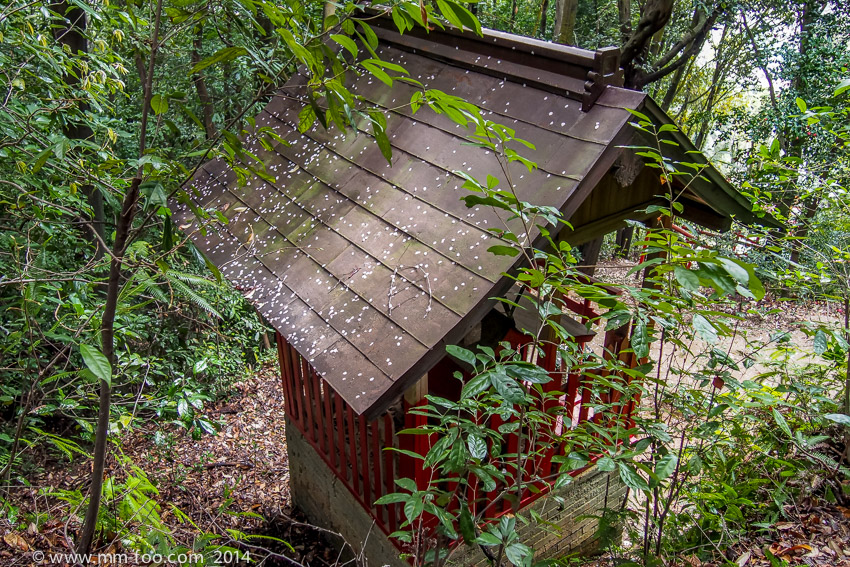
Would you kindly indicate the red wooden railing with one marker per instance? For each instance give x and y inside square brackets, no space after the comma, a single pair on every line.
[354,448]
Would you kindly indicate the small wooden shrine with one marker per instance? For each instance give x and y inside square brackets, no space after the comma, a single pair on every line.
[368,271]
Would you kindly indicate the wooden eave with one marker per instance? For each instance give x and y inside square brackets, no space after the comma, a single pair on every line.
[370,270]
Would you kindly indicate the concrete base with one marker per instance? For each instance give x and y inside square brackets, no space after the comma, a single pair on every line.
[589,494]
[328,503]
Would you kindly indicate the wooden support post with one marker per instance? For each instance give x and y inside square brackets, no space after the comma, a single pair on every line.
[624,242]
[590,255]
[416,393]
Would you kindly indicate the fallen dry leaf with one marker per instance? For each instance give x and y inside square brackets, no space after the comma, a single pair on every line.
[16,541]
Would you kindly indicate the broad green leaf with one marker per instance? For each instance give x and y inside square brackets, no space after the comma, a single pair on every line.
[631,477]
[159,104]
[665,466]
[841,418]
[466,525]
[500,250]
[182,407]
[487,539]
[371,37]
[606,464]
[640,115]
[478,384]
[735,270]
[821,342]
[640,339]
[393,498]
[97,362]
[686,278]
[518,554]
[705,329]
[783,425]
[382,140]
[487,481]
[413,509]
[507,386]
[306,118]
[461,353]
[400,20]
[527,372]
[477,447]
[720,278]
[406,483]
[221,56]
[562,481]
[346,42]
[377,72]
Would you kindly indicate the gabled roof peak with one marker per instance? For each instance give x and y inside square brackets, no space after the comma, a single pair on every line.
[577,73]
[369,270]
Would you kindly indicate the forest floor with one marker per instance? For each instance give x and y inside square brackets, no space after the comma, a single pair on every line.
[237,482]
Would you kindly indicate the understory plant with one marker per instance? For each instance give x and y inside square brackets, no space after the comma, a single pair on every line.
[718,440]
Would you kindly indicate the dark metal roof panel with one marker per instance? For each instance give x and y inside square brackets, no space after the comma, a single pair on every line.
[711,186]
[368,269]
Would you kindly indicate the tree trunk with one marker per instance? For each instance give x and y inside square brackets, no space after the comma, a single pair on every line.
[201,85]
[653,17]
[565,22]
[796,142]
[686,48]
[670,95]
[712,90]
[72,34]
[328,10]
[624,9]
[846,403]
[543,19]
[107,325]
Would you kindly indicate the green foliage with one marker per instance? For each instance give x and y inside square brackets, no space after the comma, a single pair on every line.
[712,454]
[716,450]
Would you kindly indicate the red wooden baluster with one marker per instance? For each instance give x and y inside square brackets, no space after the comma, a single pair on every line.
[297,387]
[389,470]
[307,380]
[513,447]
[329,424]
[364,460]
[289,381]
[352,436]
[543,464]
[375,439]
[423,476]
[474,495]
[407,465]
[284,379]
[572,390]
[318,410]
[340,426]
[585,381]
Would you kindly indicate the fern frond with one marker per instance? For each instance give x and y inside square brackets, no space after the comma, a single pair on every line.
[195,298]
[190,278]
